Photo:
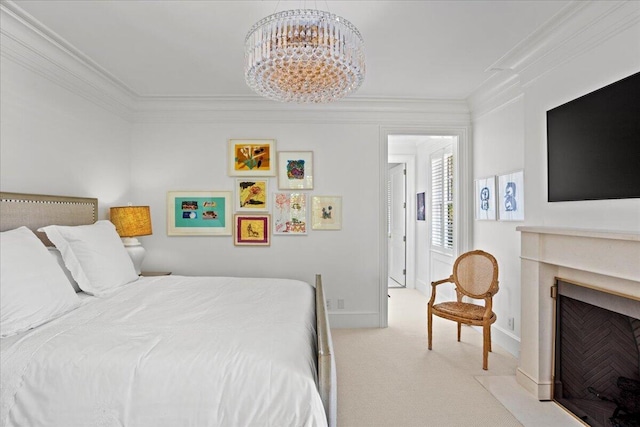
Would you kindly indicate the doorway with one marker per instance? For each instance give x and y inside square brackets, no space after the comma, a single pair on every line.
[423,261]
[397,213]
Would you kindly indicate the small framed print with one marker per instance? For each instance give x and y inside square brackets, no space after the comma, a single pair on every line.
[252,195]
[252,157]
[485,198]
[199,213]
[295,170]
[252,230]
[420,208]
[290,214]
[511,196]
[326,212]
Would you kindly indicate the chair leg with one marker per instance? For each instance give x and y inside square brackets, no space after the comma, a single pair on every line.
[459,330]
[429,326]
[486,345]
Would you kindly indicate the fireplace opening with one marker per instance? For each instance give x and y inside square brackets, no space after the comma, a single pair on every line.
[597,356]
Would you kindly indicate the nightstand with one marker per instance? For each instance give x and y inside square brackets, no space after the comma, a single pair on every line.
[155,273]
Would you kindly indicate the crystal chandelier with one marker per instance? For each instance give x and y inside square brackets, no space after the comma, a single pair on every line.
[305,56]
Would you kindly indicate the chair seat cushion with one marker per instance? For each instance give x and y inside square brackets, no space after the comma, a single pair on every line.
[461,309]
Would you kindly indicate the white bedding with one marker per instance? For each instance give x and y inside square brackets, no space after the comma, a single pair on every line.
[170,351]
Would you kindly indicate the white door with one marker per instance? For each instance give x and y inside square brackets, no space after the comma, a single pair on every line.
[397,224]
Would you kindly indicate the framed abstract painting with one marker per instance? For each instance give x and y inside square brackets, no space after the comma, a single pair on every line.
[295,170]
[199,213]
[252,157]
[326,213]
[252,230]
[511,196]
[290,214]
[485,198]
[252,195]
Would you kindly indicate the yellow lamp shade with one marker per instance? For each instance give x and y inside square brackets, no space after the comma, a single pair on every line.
[131,221]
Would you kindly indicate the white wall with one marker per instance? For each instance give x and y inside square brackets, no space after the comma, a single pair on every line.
[512,136]
[498,149]
[192,156]
[53,141]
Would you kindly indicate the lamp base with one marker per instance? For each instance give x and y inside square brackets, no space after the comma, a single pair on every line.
[136,253]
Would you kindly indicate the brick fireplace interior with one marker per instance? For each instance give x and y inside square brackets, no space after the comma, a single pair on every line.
[597,355]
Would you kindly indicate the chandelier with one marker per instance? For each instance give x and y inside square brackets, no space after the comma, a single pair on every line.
[305,56]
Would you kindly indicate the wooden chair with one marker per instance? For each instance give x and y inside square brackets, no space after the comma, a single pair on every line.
[475,275]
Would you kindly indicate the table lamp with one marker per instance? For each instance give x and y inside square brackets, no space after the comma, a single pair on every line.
[130,222]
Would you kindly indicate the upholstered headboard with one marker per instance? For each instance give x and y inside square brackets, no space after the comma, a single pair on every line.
[36,210]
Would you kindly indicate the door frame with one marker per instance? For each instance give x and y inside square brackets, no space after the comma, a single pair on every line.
[463,198]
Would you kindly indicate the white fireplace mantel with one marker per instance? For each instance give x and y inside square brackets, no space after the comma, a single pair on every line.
[604,260]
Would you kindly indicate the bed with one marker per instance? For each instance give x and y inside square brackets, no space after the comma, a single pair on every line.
[159,351]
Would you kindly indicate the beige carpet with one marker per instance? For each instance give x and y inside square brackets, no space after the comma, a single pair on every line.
[388,377]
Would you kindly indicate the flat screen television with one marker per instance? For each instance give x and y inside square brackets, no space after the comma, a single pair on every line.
[593,144]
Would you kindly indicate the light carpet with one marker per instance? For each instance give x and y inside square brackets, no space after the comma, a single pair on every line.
[388,377]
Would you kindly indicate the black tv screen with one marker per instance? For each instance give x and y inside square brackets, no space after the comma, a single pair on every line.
[593,144]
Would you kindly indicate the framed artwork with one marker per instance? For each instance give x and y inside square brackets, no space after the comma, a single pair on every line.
[326,213]
[252,157]
[251,194]
[252,230]
[420,212]
[511,196]
[485,198]
[295,170]
[199,213]
[290,214]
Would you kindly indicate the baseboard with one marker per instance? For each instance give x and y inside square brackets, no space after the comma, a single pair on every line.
[424,288]
[504,339]
[354,319]
[507,340]
[542,391]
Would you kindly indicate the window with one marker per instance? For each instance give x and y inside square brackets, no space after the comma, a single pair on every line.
[442,200]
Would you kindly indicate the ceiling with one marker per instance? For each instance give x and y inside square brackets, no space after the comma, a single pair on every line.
[413,49]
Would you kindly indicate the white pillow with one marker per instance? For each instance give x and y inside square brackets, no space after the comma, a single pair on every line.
[33,288]
[57,256]
[95,256]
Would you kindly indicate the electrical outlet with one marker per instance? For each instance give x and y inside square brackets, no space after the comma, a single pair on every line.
[511,323]
[340,304]
[328,304]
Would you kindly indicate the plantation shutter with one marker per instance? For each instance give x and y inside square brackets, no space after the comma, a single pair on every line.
[442,200]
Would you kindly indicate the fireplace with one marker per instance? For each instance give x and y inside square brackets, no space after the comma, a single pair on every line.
[597,355]
[606,261]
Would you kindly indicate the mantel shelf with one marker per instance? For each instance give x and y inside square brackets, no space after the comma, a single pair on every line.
[580,232]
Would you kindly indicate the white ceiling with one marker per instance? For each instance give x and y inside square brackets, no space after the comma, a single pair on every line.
[414,49]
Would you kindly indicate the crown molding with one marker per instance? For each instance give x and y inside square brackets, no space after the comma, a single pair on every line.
[26,41]
[257,109]
[577,28]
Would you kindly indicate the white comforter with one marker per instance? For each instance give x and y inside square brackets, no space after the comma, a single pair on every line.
[170,351]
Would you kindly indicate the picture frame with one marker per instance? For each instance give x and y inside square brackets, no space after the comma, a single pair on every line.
[251,194]
[295,170]
[420,206]
[290,214]
[326,213]
[485,198]
[252,230]
[252,157]
[199,213]
[511,196]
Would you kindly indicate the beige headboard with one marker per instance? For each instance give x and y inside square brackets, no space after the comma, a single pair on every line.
[36,210]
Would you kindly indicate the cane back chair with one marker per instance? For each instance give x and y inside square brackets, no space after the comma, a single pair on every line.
[475,275]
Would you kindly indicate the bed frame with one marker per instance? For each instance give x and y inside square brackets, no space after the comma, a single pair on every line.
[35,211]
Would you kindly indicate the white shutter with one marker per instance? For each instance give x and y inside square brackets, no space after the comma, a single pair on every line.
[442,200]
[436,199]
[448,201]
